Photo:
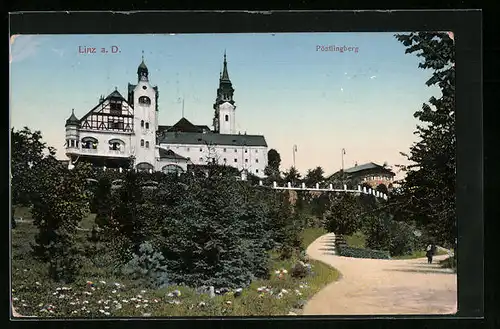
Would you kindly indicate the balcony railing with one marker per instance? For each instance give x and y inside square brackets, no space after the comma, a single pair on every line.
[89,151]
[116,152]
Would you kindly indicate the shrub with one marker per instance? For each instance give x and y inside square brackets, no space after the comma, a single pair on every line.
[403,240]
[148,267]
[362,253]
[299,271]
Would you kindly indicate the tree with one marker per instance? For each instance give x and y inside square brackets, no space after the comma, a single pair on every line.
[382,188]
[59,205]
[314,176]
[103,202]
[429,185]
[343,216]
[27,152]
[273,160]
[292,176]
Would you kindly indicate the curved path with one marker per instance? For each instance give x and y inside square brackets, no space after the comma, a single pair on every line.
[382,287]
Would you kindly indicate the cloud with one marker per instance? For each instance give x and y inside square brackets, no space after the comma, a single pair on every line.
[373,77]
[24,47]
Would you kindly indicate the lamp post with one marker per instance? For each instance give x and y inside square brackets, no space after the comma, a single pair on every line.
[294,151]
[342,156]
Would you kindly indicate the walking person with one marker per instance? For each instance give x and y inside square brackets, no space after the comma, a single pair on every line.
[429,253]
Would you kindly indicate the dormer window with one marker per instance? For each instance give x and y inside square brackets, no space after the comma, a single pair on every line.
[144,100]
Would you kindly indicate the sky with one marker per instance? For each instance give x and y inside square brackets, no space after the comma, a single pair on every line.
[287,88]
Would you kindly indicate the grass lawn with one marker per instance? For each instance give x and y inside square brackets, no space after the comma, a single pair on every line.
[113,296]
[311,234]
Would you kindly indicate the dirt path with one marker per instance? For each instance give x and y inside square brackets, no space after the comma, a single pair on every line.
[382,287]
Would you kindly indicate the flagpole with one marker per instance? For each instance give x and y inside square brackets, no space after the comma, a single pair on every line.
[342,154]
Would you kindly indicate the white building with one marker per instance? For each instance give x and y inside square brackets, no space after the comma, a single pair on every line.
[121,131]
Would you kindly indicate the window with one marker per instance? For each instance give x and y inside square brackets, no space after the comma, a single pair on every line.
[246,151]
[144,166]
[235,160]
[246,160]
[144,87]
[256,160]
[142,142]
[256,151]
[187,149]
[226,118]
[201,149]
[115,107]
[201,159]
[115,145]
[147,144]
[188,158]
[147,125]
[256,171]
[224,149]
[235,150]
[172,169]
[144,100]
[142,123]
[116,125]
[89,143]
[225,160]
[72,143]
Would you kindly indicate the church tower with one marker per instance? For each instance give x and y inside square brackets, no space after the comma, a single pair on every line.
[145,117]
[224,116]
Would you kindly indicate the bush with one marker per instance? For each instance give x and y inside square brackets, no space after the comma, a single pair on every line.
[362,253]
[148,267]
[403,240]
[299,271]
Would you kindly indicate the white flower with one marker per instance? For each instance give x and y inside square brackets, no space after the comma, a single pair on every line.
[118,306]
[114,291]
[284,271]
[58,288]
[124,301]
[99,301]
[40,305]
[103,282]
[139,296]
[301,286]
[277,272]
[115,302]
[137,306]
[146,314]
[284,291]
[37,283]
[106,307]
[61,296]
[143,291]
[85,302]
[72,303]
[117,284]
[102,311]
[229,302]
[106,313]
[15,298]
[51,311]
[145,300]
[133,299]
[146,305]
[54,293]
[87,293]
[25,305]
[201,304]
[74,312]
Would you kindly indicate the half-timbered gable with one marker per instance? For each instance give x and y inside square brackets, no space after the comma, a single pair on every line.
[113,114]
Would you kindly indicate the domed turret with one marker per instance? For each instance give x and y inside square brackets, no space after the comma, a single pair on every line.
[142,71]
[72,131]
[73,120]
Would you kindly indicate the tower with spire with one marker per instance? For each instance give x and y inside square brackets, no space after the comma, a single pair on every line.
[145,116]
[224,114]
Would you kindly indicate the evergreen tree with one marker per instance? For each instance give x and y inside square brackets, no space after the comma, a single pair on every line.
[103,202]
[429,186]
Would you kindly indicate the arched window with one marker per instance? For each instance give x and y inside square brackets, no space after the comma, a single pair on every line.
[116,145]
[144,166]
[142,142]
[171,169]
[147,144]
[147,125]
[226,118]
[89,143]
[144,100]
[142,123]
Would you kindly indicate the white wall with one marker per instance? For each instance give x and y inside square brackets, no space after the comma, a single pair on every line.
[103,138]
[256,155]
